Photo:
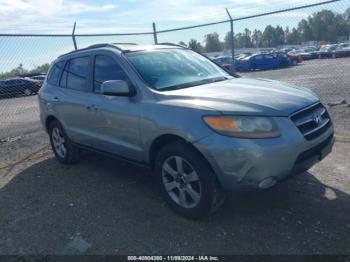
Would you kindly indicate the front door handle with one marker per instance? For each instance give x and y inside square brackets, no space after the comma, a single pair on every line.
[56,99]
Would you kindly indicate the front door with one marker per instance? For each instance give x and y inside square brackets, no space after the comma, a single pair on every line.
[116,124]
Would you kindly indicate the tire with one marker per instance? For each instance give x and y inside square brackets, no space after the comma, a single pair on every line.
[201,192]
[295,62]
[68,154]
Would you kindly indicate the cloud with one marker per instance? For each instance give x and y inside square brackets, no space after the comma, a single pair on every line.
[78,7]
[43,15]
[57,16]
[50,7]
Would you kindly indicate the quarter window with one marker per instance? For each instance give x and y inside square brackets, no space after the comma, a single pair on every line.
[55,73]
[106,69]
[75,74]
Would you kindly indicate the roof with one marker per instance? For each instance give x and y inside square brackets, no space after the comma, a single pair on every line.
[128,47]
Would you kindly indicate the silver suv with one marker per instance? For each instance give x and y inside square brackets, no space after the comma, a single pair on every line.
[202,130]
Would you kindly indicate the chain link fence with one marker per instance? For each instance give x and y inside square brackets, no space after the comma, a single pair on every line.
[307,46]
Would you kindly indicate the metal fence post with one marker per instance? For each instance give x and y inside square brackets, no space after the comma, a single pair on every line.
[73,36]
[155,33]
[232,39]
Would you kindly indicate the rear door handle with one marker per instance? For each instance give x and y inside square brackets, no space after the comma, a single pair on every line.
[56,99]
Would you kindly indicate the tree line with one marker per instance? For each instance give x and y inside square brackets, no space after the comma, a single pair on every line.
[323,27]
[21,71]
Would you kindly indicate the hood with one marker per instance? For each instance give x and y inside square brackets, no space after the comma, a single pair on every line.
[244,96]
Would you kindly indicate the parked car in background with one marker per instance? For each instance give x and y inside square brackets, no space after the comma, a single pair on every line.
[242,55]
[295,59]
[306,53]
[225,62]
[19,86]
[220,60]
[261,62]
[327,51]
[341,51]
[283,57]
[40,78]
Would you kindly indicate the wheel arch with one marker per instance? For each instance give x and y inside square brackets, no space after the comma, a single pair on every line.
[159,143]
[48,121]
[165,139]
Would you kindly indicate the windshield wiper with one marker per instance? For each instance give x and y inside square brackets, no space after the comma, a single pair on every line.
[196,83]
[218,79]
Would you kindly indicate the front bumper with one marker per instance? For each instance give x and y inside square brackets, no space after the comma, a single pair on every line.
[246,164]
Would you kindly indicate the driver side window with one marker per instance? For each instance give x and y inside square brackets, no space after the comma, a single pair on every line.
[106,68]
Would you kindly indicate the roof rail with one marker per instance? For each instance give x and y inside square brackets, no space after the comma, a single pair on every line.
[124,43]
[101,45]
[172,44]
[113,45]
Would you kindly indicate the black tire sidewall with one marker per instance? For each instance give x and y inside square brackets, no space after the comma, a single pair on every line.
[209,185]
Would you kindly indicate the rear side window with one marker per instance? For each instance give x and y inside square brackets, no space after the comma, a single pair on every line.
[106,69]
[55,73]
[75,74]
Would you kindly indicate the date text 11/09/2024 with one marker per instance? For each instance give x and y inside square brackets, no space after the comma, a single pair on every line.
[173,258]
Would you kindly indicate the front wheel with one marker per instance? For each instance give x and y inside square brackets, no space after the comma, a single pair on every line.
[62,147]
[186,181]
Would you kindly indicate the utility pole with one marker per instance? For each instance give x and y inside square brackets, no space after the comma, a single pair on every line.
[232,39]
[73,36]
[155,33]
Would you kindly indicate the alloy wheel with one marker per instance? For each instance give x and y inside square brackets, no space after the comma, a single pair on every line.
[58,142]
[181,182]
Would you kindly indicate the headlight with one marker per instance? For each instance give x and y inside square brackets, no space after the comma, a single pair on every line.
[243,126]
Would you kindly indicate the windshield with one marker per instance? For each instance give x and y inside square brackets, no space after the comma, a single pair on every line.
[170,69]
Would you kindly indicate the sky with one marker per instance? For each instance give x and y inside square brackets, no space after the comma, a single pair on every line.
[121,16]
[109,16]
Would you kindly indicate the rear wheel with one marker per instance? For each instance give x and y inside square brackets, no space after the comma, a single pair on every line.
[186,181]
[62,147]
[295,62]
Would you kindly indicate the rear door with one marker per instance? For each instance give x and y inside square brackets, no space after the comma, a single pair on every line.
[270,61]
[75,101]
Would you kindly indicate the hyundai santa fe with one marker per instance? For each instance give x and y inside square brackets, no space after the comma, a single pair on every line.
[202,130]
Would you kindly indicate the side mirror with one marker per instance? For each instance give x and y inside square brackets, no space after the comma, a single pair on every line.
[116,88]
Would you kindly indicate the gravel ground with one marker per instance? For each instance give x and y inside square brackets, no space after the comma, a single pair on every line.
[102,206]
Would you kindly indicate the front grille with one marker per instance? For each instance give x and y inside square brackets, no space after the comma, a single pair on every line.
[312,121]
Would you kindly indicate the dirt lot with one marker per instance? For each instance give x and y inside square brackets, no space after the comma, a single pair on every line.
[101,206]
